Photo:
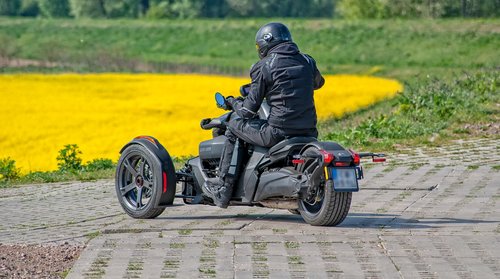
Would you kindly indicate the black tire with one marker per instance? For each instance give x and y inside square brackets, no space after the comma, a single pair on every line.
[330,211]
[138,182]
[332,207]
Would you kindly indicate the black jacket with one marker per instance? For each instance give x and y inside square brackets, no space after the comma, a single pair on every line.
[287,79]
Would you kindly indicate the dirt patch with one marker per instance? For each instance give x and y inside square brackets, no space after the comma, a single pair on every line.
[37,261]
[490,129]
[19,63]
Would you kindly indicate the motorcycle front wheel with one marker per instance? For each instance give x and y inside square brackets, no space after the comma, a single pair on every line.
[138,182]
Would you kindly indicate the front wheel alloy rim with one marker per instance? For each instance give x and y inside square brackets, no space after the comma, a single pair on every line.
[136,181]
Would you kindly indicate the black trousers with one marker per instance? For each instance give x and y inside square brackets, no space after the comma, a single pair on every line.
[254,131]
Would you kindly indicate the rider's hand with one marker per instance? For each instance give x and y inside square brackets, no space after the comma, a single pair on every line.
[230,101]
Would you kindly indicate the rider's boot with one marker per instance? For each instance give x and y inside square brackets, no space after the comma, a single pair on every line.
[219,190]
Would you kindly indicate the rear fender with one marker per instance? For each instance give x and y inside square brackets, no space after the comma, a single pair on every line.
[167,166]
[339,152]
[325,145]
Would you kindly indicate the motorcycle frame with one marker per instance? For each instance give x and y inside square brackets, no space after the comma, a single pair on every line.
[254,185]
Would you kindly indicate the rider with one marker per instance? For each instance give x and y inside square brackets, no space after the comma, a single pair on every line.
[286,78]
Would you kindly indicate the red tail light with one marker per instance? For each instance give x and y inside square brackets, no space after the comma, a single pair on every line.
[355,157]
[341,164]
[378,160]
[327,156]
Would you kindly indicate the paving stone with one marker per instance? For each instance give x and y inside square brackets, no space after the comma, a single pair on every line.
[429,213]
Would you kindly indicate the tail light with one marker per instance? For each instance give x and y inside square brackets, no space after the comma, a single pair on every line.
[378,160]
[355,157]
[327,156]
[298,161]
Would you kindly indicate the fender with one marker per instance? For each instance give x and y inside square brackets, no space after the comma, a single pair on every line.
[340,153]
[167,166]
[325,145]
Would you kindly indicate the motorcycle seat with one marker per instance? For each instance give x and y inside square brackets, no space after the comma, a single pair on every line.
[284,147]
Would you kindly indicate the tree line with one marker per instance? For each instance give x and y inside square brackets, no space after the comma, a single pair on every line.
[352,9]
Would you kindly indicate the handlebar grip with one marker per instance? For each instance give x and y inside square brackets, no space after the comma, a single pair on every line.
[207,124]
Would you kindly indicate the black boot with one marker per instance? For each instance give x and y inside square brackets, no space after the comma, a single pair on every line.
[219,191]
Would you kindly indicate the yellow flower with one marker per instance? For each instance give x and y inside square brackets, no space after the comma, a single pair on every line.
[39,114]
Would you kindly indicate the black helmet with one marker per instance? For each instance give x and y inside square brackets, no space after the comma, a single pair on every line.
[271,35]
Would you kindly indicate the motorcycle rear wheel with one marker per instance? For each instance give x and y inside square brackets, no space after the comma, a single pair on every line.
[138,182]
[330,208]
[330,211]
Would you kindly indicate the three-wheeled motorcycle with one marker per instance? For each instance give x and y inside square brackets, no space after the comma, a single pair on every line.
[315,179]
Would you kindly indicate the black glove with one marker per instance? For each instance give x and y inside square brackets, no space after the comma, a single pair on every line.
[230,101]
[245,89]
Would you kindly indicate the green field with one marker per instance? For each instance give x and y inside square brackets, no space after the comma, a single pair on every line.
[396,48]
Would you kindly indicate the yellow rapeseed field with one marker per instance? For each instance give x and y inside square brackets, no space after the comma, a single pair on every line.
[39,114]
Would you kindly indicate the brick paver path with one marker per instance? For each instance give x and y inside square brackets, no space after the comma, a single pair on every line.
[433,213]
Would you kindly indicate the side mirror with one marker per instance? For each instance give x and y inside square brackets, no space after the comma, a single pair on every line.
[220,100]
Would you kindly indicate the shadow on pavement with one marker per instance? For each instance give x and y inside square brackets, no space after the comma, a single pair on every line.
[353,220]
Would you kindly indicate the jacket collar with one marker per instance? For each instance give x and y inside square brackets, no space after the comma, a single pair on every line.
[287,48]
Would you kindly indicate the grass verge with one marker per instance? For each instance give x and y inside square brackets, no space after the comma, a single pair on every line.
[70,169]
[428,112]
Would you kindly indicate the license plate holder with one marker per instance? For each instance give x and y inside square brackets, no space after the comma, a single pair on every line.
[344,179]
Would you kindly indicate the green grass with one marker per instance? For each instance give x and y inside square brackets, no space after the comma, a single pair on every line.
[92,235]
[279,230]
[177,245]
[292,245]
[134,266]
[295,260]
[399,48]
[259,246]
[427,113]
[211,243]
[207,271]
[185,231]
[472,167]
